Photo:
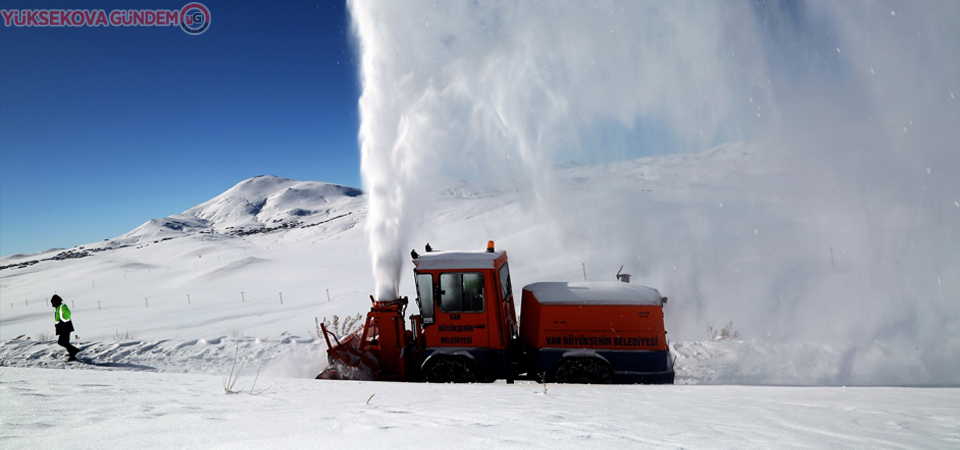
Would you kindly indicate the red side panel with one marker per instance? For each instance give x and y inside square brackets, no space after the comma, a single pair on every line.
[612,327]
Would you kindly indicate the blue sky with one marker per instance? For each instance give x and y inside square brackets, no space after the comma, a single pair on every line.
[102,129]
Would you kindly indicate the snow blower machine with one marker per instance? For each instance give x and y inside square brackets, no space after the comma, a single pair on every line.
[467,330]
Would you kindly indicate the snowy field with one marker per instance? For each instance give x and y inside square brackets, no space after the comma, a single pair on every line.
[79,409]
[163,313]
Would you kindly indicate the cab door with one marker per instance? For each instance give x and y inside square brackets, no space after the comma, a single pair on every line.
[460,313]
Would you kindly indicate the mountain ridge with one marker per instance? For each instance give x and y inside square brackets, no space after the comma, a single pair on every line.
[257,204]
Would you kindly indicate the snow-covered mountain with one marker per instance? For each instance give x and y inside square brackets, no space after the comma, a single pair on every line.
[254,205]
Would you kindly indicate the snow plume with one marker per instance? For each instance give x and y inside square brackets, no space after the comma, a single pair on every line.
[850,231]
[501,90]
[866,93]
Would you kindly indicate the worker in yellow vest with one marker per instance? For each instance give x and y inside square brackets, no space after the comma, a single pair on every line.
[64,326]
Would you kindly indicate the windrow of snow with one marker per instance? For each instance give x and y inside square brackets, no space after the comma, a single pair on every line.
[721,362]
[285,356]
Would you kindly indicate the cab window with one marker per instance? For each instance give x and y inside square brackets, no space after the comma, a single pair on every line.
[505,289]
[425,297]
[461,292]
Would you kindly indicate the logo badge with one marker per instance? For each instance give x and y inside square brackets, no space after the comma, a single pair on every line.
[194,18]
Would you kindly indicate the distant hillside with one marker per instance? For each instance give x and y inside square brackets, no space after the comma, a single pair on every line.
[254,205]
[260,204]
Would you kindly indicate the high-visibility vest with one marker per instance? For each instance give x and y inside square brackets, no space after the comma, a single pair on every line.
[62,314]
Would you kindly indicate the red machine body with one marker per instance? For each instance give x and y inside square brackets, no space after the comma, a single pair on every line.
[468,331]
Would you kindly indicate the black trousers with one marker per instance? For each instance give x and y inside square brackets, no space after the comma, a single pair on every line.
[64,341]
